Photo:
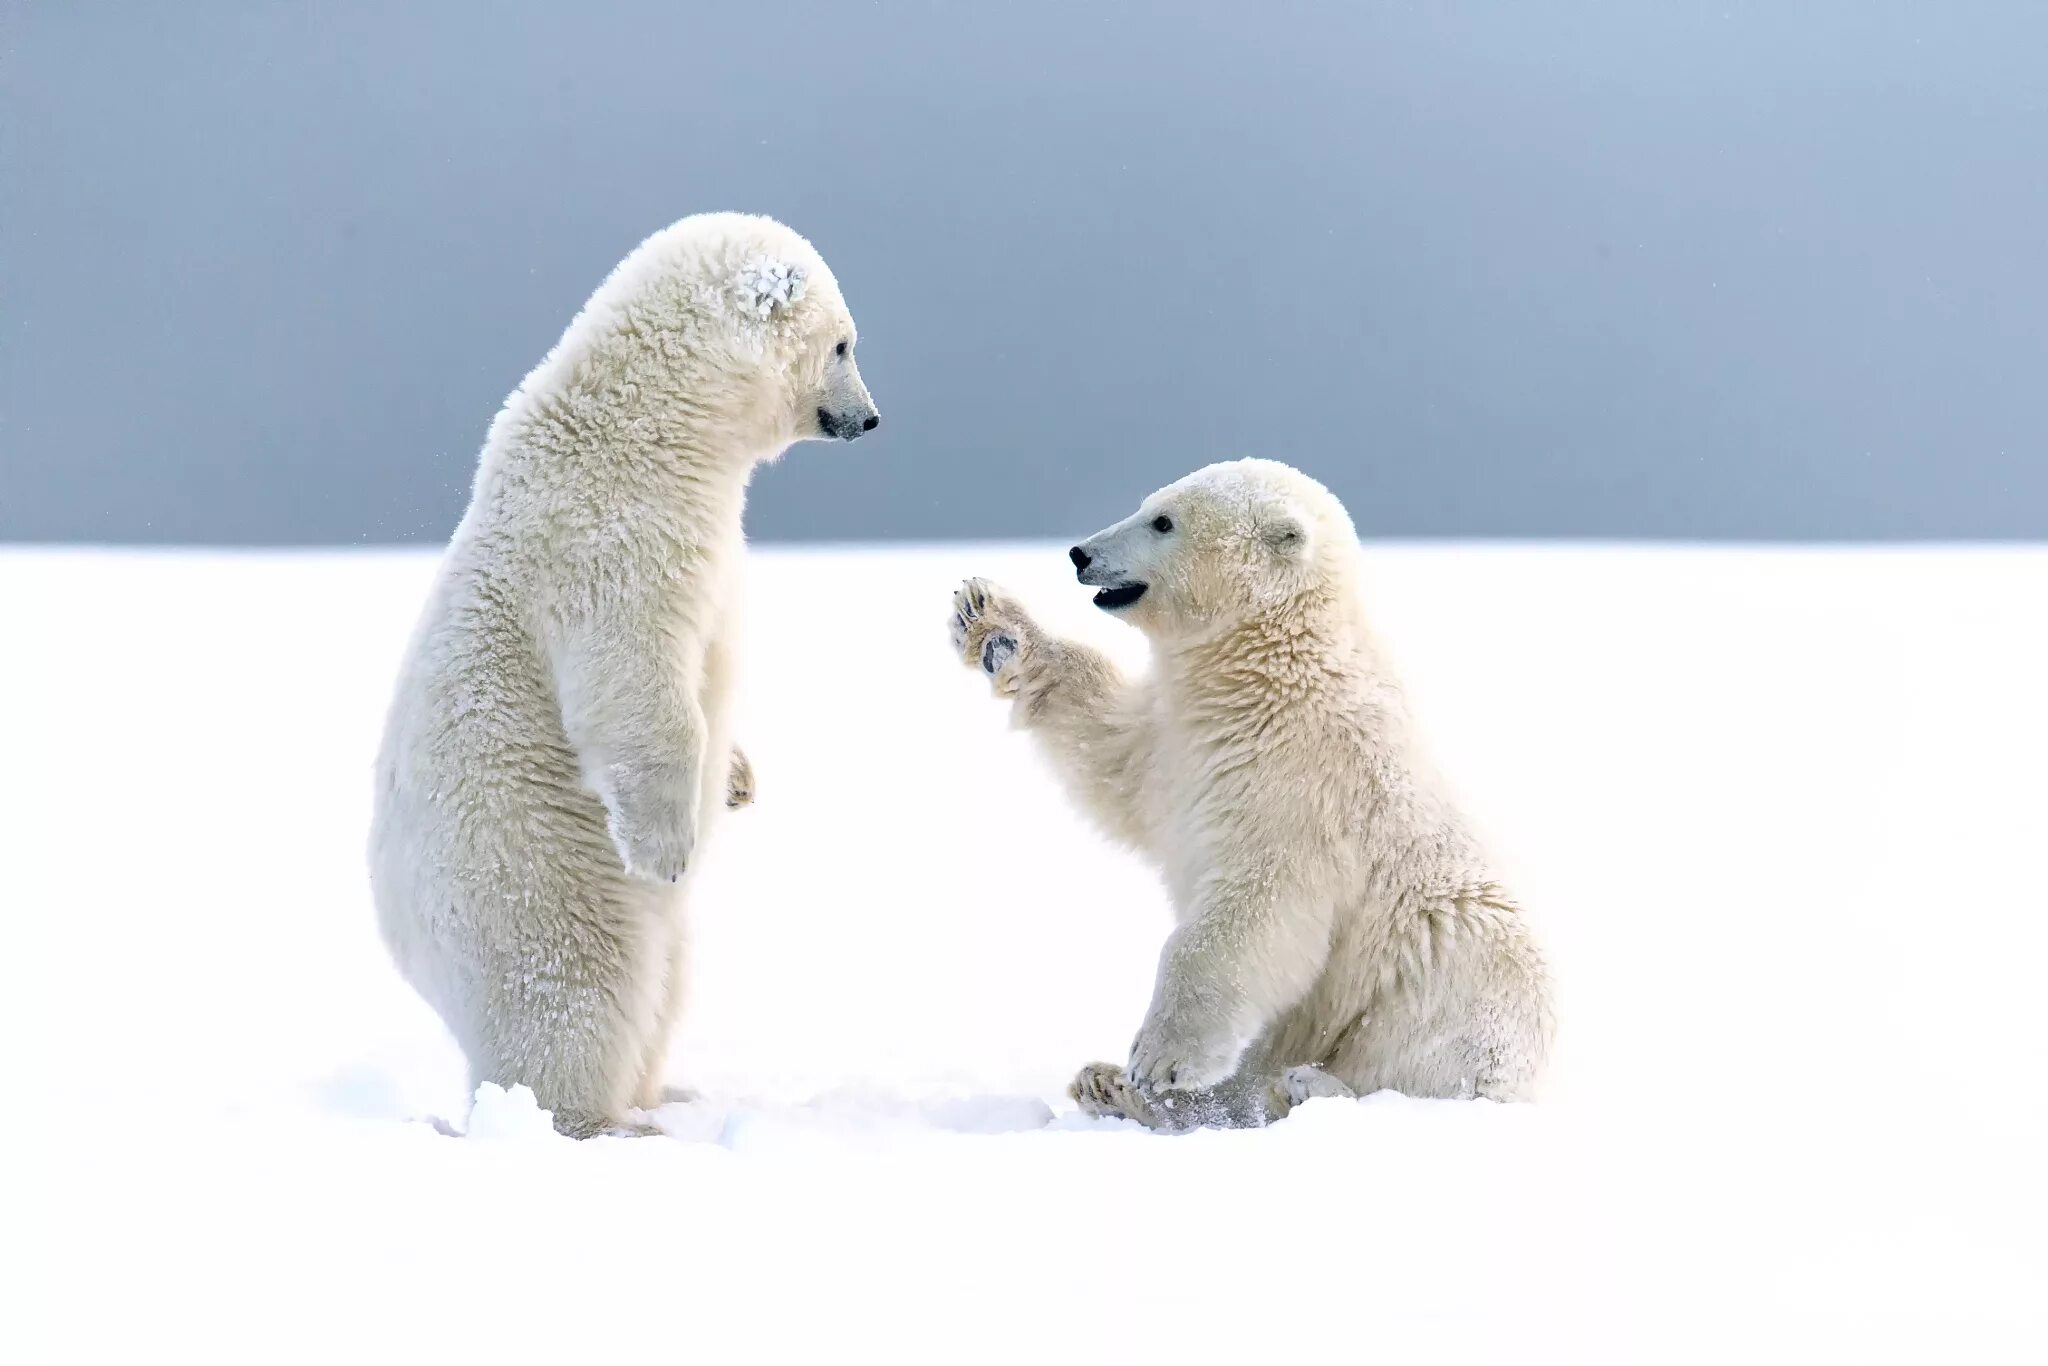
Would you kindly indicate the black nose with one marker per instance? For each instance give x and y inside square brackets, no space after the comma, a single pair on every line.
[874,421]
[1080,558]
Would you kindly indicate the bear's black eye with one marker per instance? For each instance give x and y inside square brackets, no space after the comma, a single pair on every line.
[839,350]
[1162,525]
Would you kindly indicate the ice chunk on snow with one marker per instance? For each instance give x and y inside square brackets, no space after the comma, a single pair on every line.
[514,1115]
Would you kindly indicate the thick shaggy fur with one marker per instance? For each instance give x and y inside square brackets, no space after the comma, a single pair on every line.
[1338,928]
[559,742]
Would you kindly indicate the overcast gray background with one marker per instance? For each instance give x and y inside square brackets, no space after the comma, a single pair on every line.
[1541,269]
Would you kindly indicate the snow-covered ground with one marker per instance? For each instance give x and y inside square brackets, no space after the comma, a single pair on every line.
[1781,813]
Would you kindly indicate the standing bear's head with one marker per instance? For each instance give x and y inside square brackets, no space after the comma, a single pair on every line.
[734,324]
[1225,544]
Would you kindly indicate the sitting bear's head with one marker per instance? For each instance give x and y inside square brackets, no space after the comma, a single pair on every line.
[1225,544]
[747,323]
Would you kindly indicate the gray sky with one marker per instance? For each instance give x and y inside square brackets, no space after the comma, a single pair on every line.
[1618,270]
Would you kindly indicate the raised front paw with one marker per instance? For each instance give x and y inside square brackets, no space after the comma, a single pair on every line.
[989,631]
[651,815]
[739,781]
[1174,1054]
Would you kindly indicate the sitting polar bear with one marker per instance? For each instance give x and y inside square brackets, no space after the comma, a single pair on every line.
[1338,929]
[560,738]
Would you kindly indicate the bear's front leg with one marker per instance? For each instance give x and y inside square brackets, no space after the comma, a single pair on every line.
[637,730]
[1094,727]
[1255,945]
[1190,1040]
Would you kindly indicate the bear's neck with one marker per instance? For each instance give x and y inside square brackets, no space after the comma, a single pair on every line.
[1306,648]
[666,478]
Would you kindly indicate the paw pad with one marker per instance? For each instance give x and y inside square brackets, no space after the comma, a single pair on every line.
[996,651]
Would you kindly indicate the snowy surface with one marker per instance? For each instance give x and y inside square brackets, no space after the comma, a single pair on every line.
[1781,815]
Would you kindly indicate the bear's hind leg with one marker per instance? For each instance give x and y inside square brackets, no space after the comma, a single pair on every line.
[653,1091]
[576,1033]
[570,1121]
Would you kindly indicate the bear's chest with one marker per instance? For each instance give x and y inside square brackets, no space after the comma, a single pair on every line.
[1222,807]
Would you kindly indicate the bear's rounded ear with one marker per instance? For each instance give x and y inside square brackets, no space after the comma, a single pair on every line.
[1284,531]
[766,285]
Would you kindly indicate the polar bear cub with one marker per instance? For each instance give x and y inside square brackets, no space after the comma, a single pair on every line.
[1337,927]
[559,742]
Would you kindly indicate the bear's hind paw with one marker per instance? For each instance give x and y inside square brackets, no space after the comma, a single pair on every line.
[1309,1082]
[1100,1090]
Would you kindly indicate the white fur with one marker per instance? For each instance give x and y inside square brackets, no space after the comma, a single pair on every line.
[559,744]
[1337,925]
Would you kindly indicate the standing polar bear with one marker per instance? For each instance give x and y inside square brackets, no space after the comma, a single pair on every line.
[560,740]
[1338,929]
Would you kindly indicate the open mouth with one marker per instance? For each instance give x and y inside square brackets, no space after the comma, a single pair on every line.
[1121,595]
